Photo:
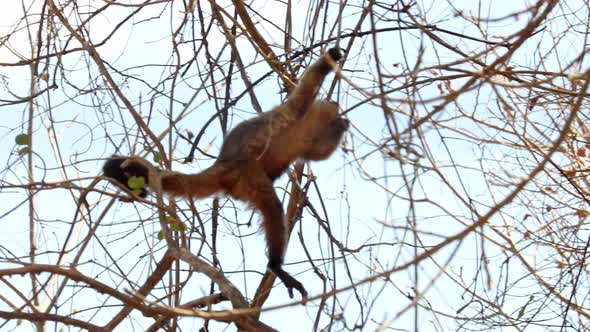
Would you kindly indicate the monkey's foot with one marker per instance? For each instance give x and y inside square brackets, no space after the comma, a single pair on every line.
[290,283]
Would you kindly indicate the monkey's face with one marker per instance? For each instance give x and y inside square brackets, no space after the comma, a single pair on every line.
[323,119]
[323,112]
[343,123]
[324,129]
[330,114]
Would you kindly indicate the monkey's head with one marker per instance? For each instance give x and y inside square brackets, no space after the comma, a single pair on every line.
[323,130]
[324,114]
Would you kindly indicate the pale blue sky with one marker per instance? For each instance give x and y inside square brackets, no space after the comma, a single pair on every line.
[359,211]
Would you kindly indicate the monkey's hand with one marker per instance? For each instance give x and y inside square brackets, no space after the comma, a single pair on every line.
[328,62]
[121,169]
[289,282]
[336,53]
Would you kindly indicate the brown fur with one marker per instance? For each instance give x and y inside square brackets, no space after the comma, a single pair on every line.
[258,151]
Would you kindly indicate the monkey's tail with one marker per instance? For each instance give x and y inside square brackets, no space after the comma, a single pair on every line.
[198,185]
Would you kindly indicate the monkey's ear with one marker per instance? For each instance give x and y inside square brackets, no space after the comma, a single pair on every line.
[336,53]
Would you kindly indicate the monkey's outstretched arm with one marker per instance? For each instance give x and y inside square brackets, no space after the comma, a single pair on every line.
[197,185]
[304,94]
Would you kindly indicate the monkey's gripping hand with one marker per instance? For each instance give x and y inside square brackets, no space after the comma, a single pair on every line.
[287,279]
[328,62]
[336,53]
[121,169]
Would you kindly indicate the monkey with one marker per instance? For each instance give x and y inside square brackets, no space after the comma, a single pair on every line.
[254,154]
[112,169]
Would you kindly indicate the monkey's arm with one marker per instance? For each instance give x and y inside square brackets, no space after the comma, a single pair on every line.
[304,94]
[196,185]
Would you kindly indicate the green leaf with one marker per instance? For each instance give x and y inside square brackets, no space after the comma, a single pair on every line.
[178,227]
[522,310]
[157,157]
[22,139]
[136,183]
[160,235]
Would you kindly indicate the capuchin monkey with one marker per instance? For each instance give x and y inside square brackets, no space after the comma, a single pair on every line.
[254,154]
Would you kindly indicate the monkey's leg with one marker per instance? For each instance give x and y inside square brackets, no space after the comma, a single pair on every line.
[275,227]
[256,188]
